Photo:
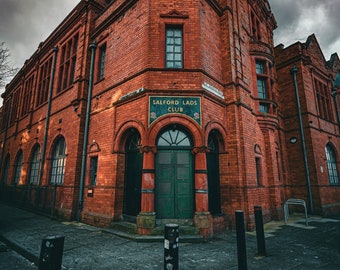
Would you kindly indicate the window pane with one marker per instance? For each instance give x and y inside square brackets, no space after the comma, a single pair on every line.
[173,138]
[173,48]
[260,68]
[35,165]
[93,170]
[264,107]
[58,162]
[331,165]
[261,87]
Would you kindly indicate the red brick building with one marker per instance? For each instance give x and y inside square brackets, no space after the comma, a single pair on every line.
[313,156]
[158,111]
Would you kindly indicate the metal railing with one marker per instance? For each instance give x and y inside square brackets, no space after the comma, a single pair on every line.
[294,202]
[38,198]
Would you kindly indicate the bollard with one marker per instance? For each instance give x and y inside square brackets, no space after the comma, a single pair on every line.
[171,243]
[261,244]
[241,241]
[51,253]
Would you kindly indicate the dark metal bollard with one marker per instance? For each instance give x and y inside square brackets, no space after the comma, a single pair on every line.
[51,253]
[171,243]
[241,241]
[261,244]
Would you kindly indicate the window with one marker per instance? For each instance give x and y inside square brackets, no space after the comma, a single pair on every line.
[173,138]
[5,113]
[102,59]
[27,95]
[35,165]
[262,85]
[174,47]
[58,161]
[6,170]
[323,99]
[68,63]
[17,168]
[93,170]
[331,165]
[15,106]
[255,26]
[44,82]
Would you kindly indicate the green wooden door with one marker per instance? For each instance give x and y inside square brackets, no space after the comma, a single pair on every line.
[174,184]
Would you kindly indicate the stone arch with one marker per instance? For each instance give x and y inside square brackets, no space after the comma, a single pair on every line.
[119,139]
[222,134]
[192,127]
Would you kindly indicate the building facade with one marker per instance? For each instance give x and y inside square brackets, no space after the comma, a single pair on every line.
[314,152]
[158,111]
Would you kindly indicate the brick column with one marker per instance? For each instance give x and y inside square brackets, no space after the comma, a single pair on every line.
[202,217]
[146,219]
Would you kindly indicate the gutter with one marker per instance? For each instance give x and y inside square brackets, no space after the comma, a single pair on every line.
[93,47]
[47,125]
[293,71]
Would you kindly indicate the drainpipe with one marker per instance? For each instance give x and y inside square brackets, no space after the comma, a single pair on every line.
[335,95]
[43,150]
[93,47]
[6,129]
[293,71]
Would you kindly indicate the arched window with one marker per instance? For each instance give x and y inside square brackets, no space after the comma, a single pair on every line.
[35,165]
[58,161]
[331,165]
[17,168]
[173,138]
[6,169]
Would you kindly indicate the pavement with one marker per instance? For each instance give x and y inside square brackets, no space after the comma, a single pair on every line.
[288,246]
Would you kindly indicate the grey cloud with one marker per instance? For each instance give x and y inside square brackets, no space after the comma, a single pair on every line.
[25,23]
[292,27]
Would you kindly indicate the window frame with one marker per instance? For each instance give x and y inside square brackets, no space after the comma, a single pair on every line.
[17,168]
[101,61]
[27,96]
[255,26]
[35,165]
[323,99]
[262,70]
[174,62]
[58,162]
[44,81]
[93,170]
[67,66]
[331,165]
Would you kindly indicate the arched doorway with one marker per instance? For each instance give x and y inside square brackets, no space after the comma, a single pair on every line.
[213,167]
[133,175]
[174,175]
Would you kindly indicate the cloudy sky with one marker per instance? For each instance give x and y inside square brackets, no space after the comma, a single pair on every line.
[25,23]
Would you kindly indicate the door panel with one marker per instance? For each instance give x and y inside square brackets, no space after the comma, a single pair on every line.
[164,186]
[174,184]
